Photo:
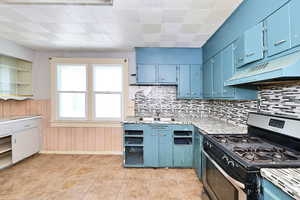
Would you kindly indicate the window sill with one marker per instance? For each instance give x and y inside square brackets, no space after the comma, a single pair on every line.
[86,124]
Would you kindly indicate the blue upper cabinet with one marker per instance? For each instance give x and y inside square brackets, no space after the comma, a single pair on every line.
[295,22]
[167,74]
[217,76]
[254,44]
[189,82]
[166,62]
[228,71]
[184,83]
[208,79]
[196,81]
[146,74]
[278,31]
[239,52]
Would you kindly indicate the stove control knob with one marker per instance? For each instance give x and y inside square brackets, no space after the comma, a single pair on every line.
[231,163]
[225,159]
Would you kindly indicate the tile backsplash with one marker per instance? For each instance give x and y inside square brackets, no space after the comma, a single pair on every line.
[283,99]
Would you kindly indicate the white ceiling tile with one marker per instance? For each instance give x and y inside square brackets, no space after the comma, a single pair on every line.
[129,23]
[151,28]
[174,4]
[203,4]
[150,16]
[151,37]
[168,37]
[171,28]
[173,16]
[197,16]
[190,28]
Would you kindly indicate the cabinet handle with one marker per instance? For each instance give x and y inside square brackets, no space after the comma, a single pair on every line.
[279,42]
[241,59]
[249,54]
[26,126]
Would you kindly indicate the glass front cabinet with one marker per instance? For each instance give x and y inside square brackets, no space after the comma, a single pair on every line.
[15,78]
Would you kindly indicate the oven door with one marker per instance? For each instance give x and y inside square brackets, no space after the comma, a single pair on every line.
[218,184]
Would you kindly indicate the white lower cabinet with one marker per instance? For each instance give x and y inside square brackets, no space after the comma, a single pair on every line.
[19,140]
[25,143]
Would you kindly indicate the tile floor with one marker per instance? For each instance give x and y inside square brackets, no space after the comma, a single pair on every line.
[94,177]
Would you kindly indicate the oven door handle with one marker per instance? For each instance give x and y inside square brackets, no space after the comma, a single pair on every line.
[229,178]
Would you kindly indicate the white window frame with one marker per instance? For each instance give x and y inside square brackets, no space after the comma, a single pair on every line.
[90,120]
[106,92]
[72,92]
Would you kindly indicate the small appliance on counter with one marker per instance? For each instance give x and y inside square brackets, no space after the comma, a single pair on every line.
[233,162]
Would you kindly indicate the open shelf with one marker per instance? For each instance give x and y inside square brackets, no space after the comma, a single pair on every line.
[5,147]
[183,134]
[5,160]
[183,141]
[134,133]
[134,141]
[134,156]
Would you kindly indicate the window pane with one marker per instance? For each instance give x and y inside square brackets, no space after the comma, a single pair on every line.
[107,78]
[72,105]
[108,105]
[71,77]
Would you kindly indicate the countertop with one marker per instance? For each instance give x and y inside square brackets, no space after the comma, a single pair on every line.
[5,120]
[286,179]
[206,125]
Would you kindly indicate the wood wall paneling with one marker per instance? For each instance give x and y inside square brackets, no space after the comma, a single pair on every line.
[76,140]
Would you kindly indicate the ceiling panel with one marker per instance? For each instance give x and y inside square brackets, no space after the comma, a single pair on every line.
[126,24]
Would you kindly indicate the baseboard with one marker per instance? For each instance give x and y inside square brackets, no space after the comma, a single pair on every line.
[83,152]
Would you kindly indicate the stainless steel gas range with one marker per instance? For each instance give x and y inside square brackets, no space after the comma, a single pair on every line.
[232,162]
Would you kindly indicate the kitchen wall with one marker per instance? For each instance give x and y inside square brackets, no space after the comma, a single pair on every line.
[104,140]
[150,99]
[280,99]
[41,67]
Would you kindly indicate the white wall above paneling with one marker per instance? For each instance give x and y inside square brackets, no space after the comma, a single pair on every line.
[126,24]
[41,66]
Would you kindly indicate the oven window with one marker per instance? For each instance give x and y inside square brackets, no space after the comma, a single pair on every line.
[222,188]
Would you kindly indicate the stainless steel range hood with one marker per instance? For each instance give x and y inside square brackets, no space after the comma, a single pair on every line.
[283,68]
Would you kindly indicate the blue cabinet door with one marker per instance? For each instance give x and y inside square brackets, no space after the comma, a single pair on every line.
[217,76]
[165,153]
[150,147]
[295,22]
[278,31]
[228,71]
[254,44]
[167,74]
[184,83]
[207,79]
[196,81]
[272,192]
[183,156]
[239,52]
[146,74]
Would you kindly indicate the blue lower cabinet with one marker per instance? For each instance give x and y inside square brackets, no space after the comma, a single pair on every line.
[158,145]
[272,192]
[183,156]
[165,151]
[150,147]
[197,157]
